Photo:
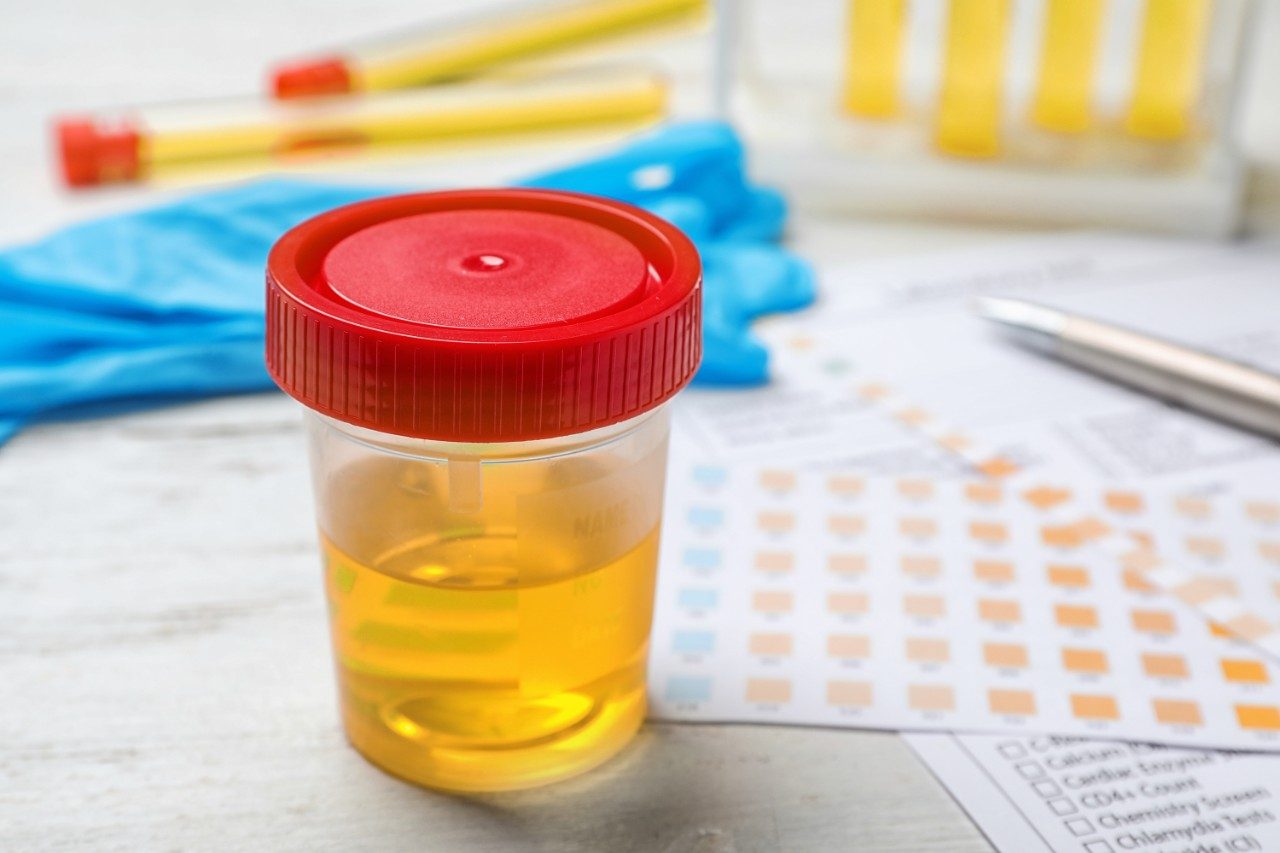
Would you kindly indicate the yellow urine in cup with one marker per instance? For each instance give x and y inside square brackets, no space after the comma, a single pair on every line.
[1068,60]
[476,657]
[973,78]
[1166,81]
[874,58]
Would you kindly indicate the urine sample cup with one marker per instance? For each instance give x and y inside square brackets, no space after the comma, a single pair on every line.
[487,375]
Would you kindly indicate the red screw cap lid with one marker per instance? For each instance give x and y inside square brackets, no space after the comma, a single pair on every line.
[484,315]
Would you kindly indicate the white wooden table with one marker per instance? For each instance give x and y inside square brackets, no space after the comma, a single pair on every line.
[164,668]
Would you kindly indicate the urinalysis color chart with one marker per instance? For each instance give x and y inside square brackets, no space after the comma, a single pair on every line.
[798,596]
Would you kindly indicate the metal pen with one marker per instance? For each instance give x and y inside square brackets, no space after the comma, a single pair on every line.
[1236,393]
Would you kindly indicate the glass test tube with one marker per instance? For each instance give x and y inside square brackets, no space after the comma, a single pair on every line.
[1068,62]
[874,58]
[443,53]
[1166,81]
[140,143]
[973,78]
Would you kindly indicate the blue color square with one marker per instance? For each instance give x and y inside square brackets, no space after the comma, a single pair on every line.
[693,642]
[688,688]
[702,558]
[698,599]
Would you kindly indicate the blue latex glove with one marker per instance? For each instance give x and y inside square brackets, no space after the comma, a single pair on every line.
[167,303]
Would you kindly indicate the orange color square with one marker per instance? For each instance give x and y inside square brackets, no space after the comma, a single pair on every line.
[768,690]
[846,564]
[1177,712]
[999,610]
[1192,507]
[1258,717]
[1199,590]
[1126,503]
[1010,655]
[1085,660]
[846,525]
[1075,616]
[912,416]
[849,646]
[1220,631]
[1275,588]
[1094,707]
[924,606]
[1206,547]
[771,602]
[778,480]
[775,521]
[916,490]
[1014,702]
[1153,621]
[1164,665]
[1270,551]
[983,493]
[997,466]
[991,532]
[1248,626]
[849,694]
[873,391]
[845,485]
[993,571]
[770,644]
[931,697]
[921,567]
[847,603]
[1244,671]
[1061,536]
[1074,577]
[918,528]
[1046,497]
[928,650]
[775,561]
[1263,512]
[955,442]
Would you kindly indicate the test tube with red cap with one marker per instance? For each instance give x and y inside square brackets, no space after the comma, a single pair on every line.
[141,143]
[442,53]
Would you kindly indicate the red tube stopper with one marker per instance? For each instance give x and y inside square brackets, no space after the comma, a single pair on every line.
[311,78]
[92,153]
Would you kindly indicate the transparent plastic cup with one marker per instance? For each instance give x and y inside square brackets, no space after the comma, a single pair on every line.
[490,538]
[490,604]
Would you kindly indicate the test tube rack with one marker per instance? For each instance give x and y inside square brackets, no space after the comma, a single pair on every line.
[1079,112]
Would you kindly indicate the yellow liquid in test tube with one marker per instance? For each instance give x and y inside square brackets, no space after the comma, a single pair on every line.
[444,114]
[481,657]
[1068,59]
[1167,80]
[874,57]
[972,81]
[535,30]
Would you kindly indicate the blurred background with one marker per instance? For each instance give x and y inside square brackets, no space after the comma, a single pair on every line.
[782,71]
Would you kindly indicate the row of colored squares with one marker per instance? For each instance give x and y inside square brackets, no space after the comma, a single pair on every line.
[920,529]
[936,650]
[927,566]
[994,610]
[941,697]
[989,493]
[844,524]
